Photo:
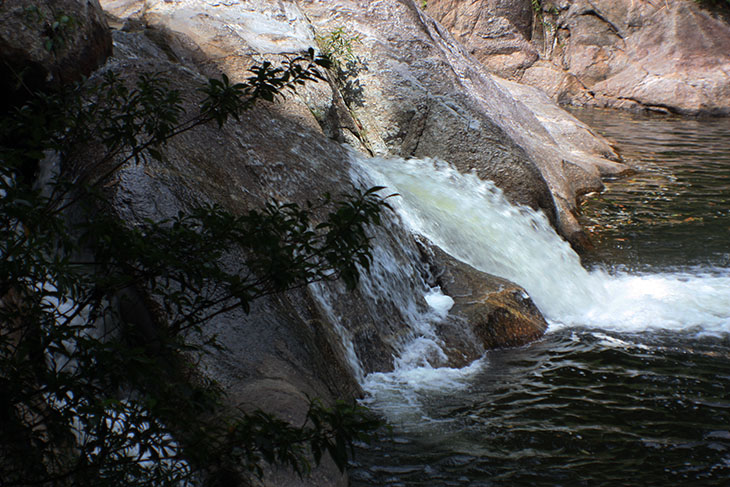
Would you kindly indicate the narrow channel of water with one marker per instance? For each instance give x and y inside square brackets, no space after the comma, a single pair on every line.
[631,385]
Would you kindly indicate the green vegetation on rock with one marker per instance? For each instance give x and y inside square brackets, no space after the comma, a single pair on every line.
[102,323]
[337,47]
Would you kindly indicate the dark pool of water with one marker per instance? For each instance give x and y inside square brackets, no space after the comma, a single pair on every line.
[594,407]
[577,408]
[675,211]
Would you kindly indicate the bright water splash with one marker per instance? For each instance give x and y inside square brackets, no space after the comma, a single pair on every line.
[418,370]
[419,367]
[417,375]
[400,395]
[472,220]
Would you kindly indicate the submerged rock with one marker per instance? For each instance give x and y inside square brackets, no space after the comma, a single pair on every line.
[655,56]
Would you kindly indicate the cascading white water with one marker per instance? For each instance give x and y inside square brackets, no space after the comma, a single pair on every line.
[472,220]
[635,363]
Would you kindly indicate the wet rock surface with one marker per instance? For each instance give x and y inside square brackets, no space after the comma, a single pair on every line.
[290,346]
[416,93]
[497,312]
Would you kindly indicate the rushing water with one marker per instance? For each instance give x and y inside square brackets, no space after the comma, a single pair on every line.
[631,385]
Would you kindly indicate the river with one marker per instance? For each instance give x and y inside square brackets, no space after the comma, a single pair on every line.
[631,384]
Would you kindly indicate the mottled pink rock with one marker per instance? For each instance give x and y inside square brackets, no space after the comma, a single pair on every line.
[633,54]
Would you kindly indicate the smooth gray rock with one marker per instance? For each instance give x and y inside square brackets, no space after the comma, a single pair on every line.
[296,344]
[415,92]
[422,95]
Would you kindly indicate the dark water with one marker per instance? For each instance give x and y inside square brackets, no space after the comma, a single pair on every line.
[595,406]
[675,211]
[572,411]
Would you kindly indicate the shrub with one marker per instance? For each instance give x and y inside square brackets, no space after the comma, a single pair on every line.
[91,396]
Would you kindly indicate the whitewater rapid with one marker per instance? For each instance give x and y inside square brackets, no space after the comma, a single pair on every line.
[473,221]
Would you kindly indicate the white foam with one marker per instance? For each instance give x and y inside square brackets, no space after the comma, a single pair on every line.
[613,342]
[439,302]
[670,301]
[401,395]
[472,220]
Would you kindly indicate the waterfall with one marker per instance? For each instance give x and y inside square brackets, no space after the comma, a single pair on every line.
[473,221]
[634,361]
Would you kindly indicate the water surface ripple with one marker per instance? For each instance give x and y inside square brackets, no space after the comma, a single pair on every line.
[581,407]
[675,211]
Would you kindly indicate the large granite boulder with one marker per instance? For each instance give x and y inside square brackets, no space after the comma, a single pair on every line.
[413,91]
[49,43]
[656,56]
[421,94]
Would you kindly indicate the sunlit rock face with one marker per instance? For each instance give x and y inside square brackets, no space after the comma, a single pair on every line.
[416,92]
[636,55]
[496,32]
[421,94]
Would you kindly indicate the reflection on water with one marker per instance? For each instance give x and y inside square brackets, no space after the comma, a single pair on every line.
[592,404]
[675,212]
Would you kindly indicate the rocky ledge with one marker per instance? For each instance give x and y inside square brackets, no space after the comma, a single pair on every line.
[670,57]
